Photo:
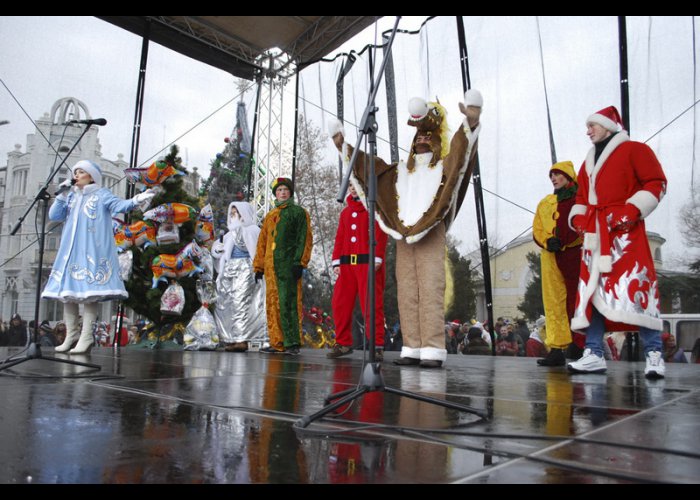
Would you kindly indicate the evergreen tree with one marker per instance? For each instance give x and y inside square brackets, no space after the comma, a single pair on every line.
[228,177]
[532,306]
[463,303]
[143,299]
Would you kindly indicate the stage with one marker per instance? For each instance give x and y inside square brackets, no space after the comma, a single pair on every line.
[172,416]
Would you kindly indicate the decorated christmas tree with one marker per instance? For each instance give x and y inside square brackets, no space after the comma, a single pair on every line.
[171,220]
[228,178]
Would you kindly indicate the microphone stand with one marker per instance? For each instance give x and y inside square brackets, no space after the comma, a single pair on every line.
[372,379]
[33,351]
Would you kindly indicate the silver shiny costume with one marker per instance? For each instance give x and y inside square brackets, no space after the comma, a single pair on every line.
[240,304]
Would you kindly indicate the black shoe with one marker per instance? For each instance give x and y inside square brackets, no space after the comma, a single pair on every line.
[338,351]
[270,350]
[406,361]
[430,363]
[554,358]
[378,354]
[292,351]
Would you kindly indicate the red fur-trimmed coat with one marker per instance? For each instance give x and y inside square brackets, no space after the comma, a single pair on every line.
[617,269]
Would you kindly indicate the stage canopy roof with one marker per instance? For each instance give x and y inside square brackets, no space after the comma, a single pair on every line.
[235,43]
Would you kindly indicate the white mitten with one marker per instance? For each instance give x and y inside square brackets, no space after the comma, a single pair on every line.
[471,109]
[64,188]
[217,249]
[144,199]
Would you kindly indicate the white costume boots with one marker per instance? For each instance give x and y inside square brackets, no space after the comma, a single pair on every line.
[86,338]
[70,316]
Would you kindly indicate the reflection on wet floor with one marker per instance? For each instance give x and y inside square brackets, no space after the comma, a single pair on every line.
[168,416]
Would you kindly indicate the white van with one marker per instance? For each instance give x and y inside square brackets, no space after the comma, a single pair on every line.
[686,329]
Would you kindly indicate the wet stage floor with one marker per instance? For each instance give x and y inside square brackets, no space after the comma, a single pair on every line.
[172,416]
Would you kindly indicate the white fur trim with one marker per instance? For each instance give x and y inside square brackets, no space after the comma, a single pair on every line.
[410,352]
[593,167]
[644,201]
[576,210]
[336,127]
[433,353]
[604,122]
[580,323]
[473,97]
[591,241]
[605,263]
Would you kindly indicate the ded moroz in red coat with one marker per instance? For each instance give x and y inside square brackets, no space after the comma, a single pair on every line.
[617,269]
[351,253]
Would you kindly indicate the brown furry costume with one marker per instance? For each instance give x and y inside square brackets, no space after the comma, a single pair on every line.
[417,201]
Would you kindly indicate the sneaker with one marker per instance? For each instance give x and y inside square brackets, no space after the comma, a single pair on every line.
[589,363]
[338,351]
[656,368]
[555,357]
[292,351]
[378,354]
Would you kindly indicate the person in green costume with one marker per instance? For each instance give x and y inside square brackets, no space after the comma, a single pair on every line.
[283,251]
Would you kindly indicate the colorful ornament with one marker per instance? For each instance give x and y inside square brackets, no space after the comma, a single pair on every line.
[153,175]
[176,265]
[171,212]
[136,234]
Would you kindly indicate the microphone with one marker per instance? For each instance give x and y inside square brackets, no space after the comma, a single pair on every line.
[96,121]
[63,189]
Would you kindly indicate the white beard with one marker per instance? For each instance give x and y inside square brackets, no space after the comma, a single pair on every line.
[417,189]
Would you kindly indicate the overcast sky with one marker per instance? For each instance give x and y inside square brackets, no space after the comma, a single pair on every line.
[43,59]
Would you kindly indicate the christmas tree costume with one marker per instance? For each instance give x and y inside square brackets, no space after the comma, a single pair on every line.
[240,302]
[284,249]
[417,200]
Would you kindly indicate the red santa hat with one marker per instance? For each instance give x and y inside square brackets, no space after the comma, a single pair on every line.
[608,118]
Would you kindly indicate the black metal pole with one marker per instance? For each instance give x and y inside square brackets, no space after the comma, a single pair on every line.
[624,82]
[133,158]
[478,193]
[251,163]
[296,128]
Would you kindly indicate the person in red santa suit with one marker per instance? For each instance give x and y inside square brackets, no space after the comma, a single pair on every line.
[620,183]
[350,265]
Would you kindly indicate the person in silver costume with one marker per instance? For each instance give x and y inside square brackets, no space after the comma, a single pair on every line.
[240,304]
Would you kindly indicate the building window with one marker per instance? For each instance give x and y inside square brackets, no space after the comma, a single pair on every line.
[53,310]
[19,182]
[14,302]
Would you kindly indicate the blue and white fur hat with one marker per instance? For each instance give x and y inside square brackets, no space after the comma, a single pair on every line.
[91,168]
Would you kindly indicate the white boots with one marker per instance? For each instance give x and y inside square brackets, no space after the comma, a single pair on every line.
[70,316]
[86,339]
[73,332]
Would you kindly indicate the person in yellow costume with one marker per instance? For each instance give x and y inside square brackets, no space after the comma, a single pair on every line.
[283,251]
[560,259]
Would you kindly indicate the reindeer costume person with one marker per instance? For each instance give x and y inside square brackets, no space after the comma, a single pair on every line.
[417,200]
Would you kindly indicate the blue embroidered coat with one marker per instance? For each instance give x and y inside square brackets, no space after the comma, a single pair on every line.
[86,267]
